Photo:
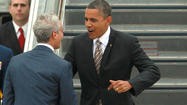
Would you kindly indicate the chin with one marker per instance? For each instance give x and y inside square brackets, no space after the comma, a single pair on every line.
[56,47]
[92,36]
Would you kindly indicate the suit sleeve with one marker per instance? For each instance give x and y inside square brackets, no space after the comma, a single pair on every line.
[6,61]
[67,94]
[70,56]
[8,92]
[148,72]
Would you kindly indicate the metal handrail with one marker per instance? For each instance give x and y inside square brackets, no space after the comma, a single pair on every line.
[30,40]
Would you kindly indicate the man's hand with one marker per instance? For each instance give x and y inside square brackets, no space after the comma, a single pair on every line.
[120,86]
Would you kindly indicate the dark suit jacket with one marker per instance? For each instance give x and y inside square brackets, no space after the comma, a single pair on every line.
[121,54]
[8,37]
[38,77]
[5,56]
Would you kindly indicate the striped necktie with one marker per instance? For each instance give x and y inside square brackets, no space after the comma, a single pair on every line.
[98,55]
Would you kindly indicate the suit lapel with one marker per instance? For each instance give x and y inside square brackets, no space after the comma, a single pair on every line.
[90,50]
[89,56]
[11,34]
[106,55]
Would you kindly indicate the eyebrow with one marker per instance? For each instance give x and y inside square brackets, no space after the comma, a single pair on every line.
[16,4]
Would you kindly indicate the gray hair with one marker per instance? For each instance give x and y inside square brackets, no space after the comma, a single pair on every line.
[44,26]
[10,1]
[102,5]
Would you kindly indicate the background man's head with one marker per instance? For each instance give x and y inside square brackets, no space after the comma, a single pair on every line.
[19,10]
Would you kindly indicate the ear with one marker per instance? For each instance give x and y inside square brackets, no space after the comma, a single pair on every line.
[109,19]
[54,35]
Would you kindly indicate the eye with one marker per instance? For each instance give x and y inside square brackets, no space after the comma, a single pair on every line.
[86,19]
[23,5]
[15,5]
[93,20]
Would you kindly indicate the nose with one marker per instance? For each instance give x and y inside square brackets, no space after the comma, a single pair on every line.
[88,24]
[19,7]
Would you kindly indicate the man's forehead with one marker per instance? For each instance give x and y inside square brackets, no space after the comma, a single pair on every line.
[19,1]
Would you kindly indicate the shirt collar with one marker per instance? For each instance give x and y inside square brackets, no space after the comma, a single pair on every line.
[105,37]
[24,27]
[47,45]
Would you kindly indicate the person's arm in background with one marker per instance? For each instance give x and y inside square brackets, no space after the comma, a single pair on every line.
[1,93]
[6,56]
[70,56]
[8,92]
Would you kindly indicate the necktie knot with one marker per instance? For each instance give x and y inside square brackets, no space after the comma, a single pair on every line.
[98,43]
[20,30]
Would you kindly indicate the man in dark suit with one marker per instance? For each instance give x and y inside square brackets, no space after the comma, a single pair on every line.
[105,80]
[40,77]
[9,32]
[5,56]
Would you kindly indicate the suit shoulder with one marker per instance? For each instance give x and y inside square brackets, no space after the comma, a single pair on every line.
[60,61]
[6,50]
[6,25]
[19,56]
[81,36]
[123,35]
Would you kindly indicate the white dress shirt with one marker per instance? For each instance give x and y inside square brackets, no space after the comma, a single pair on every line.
[24,27]
[103,39]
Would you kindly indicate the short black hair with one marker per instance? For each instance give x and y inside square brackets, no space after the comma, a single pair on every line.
[102,5]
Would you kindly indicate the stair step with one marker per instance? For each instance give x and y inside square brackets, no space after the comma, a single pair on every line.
[134,16]
[135,29]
